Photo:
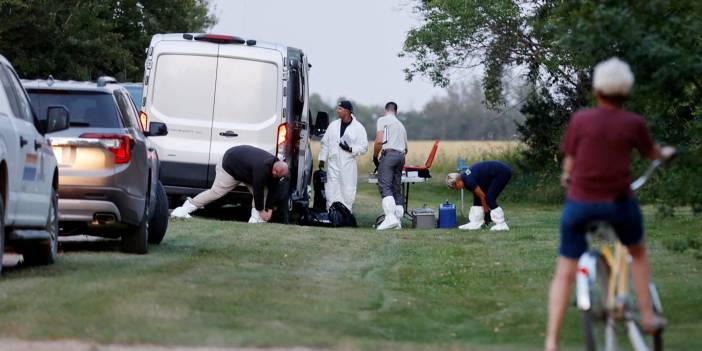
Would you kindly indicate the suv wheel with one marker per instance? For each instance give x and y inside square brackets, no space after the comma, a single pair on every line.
[159,219]
[45,252]
[136,240]
[2,231]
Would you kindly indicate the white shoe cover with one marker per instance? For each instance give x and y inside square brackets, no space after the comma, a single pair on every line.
[498,216]
[255,217]
[184,211]
[399,213]
[476,219]
[390,221]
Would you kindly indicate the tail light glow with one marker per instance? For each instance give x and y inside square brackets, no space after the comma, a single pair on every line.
[281,141]
[119,144]
[144,121]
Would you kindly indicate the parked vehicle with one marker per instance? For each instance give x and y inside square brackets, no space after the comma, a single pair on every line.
[108,185]
[219,91]
[135,92]
[28,173]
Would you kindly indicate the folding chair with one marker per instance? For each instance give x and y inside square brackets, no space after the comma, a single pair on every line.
[424,171]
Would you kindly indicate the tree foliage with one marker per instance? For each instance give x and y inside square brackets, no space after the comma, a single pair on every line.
[81,40]
[555,44]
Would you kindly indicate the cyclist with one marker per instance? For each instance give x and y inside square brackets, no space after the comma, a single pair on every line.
[596,172]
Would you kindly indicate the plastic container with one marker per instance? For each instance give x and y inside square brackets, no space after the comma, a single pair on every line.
[447,215]
[423,218]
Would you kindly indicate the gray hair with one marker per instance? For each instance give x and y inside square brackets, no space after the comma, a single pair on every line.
[613,77]
[451,179]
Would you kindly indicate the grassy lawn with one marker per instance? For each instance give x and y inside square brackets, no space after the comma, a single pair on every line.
[224,283]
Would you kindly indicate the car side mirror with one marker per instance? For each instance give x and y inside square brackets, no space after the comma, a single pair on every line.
[321,123]
[157,129]
[57,119]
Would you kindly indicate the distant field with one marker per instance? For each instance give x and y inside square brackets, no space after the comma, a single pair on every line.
[447,153]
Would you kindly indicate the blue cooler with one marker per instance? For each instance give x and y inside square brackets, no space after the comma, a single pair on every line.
[447,215]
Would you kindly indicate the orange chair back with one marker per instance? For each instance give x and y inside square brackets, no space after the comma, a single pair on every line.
[432,154]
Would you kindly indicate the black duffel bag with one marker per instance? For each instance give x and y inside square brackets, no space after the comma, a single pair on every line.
[341,216]
[337,216]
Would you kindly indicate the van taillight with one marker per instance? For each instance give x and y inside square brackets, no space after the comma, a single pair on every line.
[281,140]
[118,144]
[219,39]
[144,121]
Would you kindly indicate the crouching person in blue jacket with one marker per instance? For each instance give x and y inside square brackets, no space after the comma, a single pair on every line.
[486,180]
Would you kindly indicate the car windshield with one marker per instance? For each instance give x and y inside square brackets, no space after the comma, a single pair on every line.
[86,108]
[135,92]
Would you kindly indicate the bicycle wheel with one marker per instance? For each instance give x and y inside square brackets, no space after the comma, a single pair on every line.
[642,342]
[639,340]
[598,327]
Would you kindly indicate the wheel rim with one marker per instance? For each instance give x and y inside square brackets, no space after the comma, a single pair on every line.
[52,227]
[146,220]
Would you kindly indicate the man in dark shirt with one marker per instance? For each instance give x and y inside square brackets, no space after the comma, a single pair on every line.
[253,167]
[485,180]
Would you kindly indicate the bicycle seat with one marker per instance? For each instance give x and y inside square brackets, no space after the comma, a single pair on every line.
[600,230]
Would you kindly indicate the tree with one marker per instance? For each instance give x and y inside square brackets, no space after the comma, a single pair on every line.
[555,44]
[461,115]
[81,40]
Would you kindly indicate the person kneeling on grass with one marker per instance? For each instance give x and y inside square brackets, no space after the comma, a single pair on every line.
[486,180]
[255,168]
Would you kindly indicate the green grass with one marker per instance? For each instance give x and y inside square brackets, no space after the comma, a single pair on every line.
[225,283]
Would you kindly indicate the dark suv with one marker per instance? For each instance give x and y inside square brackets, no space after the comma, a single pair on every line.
[108,169]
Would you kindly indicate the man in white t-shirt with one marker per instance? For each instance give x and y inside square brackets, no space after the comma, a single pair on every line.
[391,145]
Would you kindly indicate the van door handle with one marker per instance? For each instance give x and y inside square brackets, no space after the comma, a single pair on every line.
[23,141]
[229,133]
[37,145]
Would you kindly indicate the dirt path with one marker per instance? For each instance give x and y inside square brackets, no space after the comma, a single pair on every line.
[74,345]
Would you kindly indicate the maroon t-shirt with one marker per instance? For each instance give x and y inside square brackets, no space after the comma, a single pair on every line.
[601,141]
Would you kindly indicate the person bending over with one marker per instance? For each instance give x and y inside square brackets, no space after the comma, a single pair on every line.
[485,180]
[258,170]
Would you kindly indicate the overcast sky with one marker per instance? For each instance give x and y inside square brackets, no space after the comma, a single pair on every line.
[352,45]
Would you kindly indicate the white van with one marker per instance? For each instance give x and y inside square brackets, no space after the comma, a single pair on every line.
[219,91]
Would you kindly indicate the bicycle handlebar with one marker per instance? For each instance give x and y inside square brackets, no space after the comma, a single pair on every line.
[638,183]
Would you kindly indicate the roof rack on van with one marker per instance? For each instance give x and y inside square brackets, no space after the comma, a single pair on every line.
[215,38]
[104,80]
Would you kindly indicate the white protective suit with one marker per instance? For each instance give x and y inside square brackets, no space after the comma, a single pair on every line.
[342,173]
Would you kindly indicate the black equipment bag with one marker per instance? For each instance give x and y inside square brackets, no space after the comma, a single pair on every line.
[337,216]
[315,218]
[319,177]
[341,216]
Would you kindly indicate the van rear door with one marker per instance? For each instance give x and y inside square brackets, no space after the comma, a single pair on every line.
[248,100]
[182,96]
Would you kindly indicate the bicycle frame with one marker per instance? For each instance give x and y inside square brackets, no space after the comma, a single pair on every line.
[618,283]
[615,305]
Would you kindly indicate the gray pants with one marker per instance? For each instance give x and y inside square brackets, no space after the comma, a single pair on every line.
[223,184]
[390,175]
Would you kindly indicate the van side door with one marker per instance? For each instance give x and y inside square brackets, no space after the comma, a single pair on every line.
[304,153]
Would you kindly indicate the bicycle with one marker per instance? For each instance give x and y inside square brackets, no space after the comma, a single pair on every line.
[603,291]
